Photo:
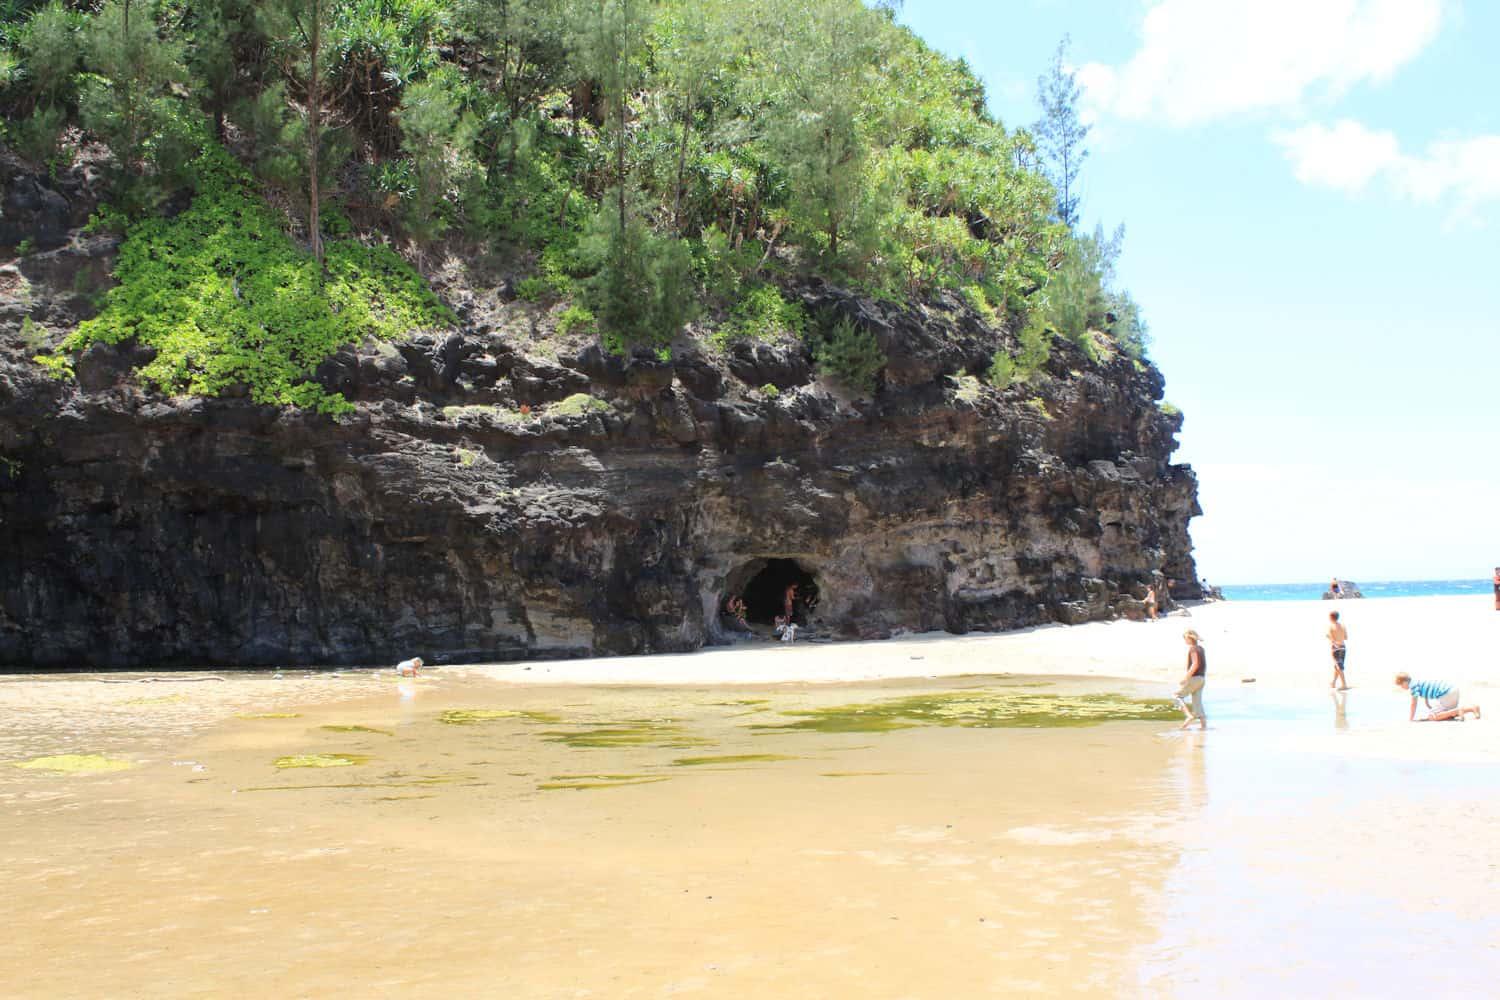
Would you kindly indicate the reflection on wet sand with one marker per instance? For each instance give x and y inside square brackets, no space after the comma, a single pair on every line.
[333,835]
[643,842]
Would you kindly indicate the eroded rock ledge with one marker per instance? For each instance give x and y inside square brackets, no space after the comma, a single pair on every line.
[137,530]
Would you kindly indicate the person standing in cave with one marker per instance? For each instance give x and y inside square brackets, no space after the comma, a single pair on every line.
[790,601]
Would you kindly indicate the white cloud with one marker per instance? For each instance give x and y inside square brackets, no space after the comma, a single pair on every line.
[1347,156]
[1205,59]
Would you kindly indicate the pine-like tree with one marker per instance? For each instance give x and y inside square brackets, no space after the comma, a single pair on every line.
[1061,133]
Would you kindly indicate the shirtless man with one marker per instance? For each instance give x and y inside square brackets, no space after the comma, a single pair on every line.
[791,599]
[1338,637]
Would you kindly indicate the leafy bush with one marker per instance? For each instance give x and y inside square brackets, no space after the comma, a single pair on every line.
[225,297]
[763,314]
[850,355]
[1002,371]
[575,317]
[770,391]
[579,404]
[533,289]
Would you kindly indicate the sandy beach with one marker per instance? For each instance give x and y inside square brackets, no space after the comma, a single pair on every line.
[924,817]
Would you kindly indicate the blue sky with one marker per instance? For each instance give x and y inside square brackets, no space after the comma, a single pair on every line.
[1311,194]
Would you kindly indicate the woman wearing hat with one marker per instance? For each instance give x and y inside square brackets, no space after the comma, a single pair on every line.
[1192,682]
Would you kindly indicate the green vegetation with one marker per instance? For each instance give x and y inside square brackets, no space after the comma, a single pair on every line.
[643,163]
[471,716]
[581,782]
[632,733]
[320,760]
[226,298]
[580,404]
[733,758]
[850,355]
[983,709]
[73,763]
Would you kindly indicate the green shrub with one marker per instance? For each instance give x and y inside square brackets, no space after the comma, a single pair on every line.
[980,303]
[33,335]
[575,317]
[770,391]
[763,314]
[850,355]
[1168,409]
[533,289]
[641,289]
[225,297]
[1002,370]
[578,405]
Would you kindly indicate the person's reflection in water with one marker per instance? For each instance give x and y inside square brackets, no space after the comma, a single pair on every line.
[1340,717]
[1194,753]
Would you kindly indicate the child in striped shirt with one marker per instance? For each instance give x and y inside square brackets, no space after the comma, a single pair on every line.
[1440,697]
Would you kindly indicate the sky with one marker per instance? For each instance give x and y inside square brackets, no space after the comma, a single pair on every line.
[1311,196]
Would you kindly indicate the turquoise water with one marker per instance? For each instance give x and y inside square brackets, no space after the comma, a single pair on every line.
[1377,588]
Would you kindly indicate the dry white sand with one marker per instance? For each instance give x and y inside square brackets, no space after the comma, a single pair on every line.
[1278,643]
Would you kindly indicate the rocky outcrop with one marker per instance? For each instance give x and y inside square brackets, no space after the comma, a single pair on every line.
[613,516]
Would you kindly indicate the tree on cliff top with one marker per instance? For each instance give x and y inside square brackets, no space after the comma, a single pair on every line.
[1061,133]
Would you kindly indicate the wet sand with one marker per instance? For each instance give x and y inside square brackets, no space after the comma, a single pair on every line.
[482,837]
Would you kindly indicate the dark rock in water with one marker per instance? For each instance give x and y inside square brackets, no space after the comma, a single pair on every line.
[1346,589]
[482,504]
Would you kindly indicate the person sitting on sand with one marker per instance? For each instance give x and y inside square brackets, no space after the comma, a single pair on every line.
[1334,589]
[1151,614]
[736,607]
[789,633]
[409,668]
[1192,682]
[1338,637]
[1440,698]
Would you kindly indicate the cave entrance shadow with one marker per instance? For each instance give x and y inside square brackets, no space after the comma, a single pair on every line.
[763,583]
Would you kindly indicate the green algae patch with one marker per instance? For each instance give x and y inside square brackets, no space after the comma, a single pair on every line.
[977,709]
[165,699]
[473,716]
[460,780]
[633,733]
[321,760]
[358,729]
[735,758]
[269,715]
[610,781]
[74,763]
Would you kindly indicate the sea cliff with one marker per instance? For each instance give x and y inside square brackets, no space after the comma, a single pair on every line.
[495,496]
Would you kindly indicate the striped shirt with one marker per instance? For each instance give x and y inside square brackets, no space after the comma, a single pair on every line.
[1429,691]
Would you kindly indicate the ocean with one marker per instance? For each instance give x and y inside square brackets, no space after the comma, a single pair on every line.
[1378,588]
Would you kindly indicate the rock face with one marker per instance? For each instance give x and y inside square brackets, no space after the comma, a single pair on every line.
[614,517]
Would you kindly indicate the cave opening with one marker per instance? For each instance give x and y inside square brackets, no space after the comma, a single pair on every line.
[765,592]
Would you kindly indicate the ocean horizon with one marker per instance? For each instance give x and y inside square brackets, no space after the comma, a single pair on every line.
[1373,589]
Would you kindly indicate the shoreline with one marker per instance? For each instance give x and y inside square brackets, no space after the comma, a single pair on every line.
[1278,643]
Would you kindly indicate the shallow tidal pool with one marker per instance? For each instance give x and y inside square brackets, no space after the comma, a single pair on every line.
[323,834]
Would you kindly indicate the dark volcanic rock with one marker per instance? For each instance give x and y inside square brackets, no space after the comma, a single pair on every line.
[138,530]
